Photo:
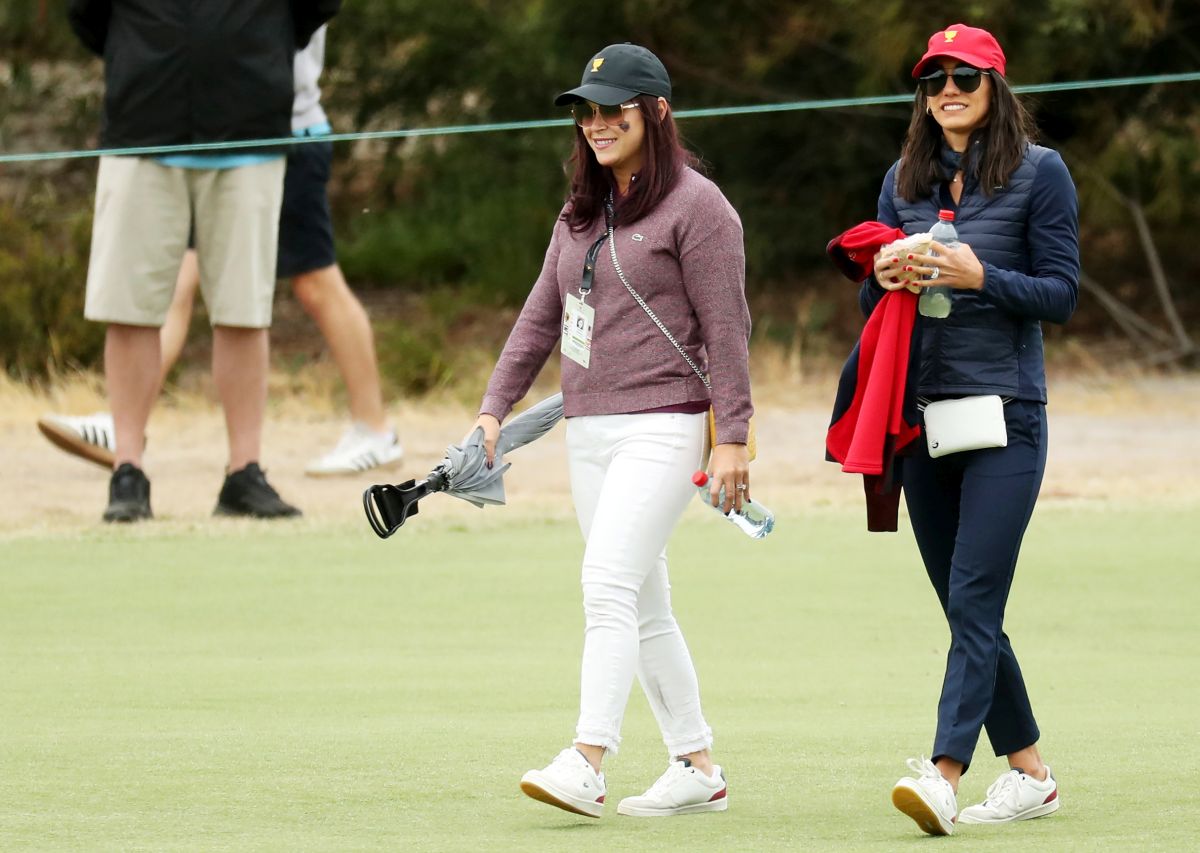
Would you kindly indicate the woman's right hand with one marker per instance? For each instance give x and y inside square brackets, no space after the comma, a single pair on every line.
[887,269]
[491,432]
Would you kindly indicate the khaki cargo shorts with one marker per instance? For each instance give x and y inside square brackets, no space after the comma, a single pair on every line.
[144,211]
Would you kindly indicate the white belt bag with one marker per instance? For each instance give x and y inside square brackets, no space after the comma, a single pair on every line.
[968,423]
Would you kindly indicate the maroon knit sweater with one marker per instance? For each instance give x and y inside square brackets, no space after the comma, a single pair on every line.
[686,260]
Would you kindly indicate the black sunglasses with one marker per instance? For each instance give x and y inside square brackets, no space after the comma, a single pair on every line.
[966,78]
[585,112]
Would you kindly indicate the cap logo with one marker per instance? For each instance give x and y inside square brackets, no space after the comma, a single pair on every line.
[950,35]
[596,63]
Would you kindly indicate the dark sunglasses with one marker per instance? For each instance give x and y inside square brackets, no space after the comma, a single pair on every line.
[966,78]
[585,112]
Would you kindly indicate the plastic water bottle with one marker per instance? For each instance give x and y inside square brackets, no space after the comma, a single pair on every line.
[935,299]
[755,520]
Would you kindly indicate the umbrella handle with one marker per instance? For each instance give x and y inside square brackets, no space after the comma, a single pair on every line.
[388,507]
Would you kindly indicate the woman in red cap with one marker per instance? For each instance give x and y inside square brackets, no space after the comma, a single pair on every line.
[638,218]
[968,151]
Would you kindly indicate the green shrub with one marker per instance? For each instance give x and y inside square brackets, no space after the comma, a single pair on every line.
[474,212]
[43,271]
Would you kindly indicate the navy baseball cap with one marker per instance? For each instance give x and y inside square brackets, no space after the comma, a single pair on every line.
[616,74]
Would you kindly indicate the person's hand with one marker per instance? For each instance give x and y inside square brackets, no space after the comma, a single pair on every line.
[491,432]
[957,268]
[729,467]
[888,269]
[887,272]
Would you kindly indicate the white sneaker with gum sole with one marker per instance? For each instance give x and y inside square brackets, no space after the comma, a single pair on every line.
[89,437]
[569,782]
[928,799]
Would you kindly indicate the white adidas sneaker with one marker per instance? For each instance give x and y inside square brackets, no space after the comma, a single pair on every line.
[89,437]
[928,799]
[1015,796]
[683,789]
[360,449]
[569,782]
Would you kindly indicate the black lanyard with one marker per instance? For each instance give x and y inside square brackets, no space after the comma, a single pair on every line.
[589,260]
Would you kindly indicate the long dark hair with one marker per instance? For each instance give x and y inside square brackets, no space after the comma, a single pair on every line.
[663,160]
[1006,134]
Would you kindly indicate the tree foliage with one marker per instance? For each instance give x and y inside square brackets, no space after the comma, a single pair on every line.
[473,212]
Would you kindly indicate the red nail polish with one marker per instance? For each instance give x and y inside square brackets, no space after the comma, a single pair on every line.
[910,257]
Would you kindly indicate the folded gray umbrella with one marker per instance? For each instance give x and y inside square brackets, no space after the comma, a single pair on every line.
[463,473]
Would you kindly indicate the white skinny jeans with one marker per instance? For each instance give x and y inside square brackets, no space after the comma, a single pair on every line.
[631,480]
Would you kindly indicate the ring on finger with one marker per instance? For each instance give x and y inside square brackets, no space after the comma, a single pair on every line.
[741,487]
[936,272]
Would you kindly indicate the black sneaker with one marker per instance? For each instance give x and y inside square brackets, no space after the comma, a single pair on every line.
[128,495]
[247,493]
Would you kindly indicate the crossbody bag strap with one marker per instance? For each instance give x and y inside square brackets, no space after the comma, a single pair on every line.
[612,253]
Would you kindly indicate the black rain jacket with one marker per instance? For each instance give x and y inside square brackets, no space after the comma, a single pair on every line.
[184,71]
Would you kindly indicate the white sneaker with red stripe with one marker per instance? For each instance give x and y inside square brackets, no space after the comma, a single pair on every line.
[928,799]
[683,789]
[1015,796]
[569,782]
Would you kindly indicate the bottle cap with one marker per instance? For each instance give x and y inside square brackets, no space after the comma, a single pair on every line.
[699,478]
[946,215]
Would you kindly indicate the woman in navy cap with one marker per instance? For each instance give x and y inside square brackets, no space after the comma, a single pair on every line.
[642,292]
[968,151]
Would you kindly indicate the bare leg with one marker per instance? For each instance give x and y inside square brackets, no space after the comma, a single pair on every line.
[951,771]
[131,371]
[240,374]
[346,328]
[702,761]
[179,316]
[594,754]
[1029,761]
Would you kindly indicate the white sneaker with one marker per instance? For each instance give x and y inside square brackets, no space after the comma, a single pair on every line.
[929,799]
[89,437]
[360,449]
[683,789]
[1015,796]
[569,782]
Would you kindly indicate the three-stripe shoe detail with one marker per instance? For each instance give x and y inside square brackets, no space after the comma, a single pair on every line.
[359,449]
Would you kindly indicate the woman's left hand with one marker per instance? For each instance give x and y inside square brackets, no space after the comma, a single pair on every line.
[729,467]
[957,268]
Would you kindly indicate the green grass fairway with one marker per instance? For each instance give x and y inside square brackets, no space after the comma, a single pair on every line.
[297,687]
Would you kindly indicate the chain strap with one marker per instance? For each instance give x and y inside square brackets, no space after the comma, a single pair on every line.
[612,253]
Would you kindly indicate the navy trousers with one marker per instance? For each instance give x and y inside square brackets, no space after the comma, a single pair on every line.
[969,512]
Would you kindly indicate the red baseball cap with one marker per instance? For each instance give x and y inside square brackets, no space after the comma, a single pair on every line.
[972,45]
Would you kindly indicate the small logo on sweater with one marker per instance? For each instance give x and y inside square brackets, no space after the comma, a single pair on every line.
[596,63]
[638,237]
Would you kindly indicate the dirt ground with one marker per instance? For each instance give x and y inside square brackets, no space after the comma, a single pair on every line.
[1113,441]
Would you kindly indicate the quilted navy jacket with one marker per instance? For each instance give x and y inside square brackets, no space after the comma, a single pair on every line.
[1026,234]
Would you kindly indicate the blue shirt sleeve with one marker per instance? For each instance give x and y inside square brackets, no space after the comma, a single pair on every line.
[1051,290]
[870,292]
